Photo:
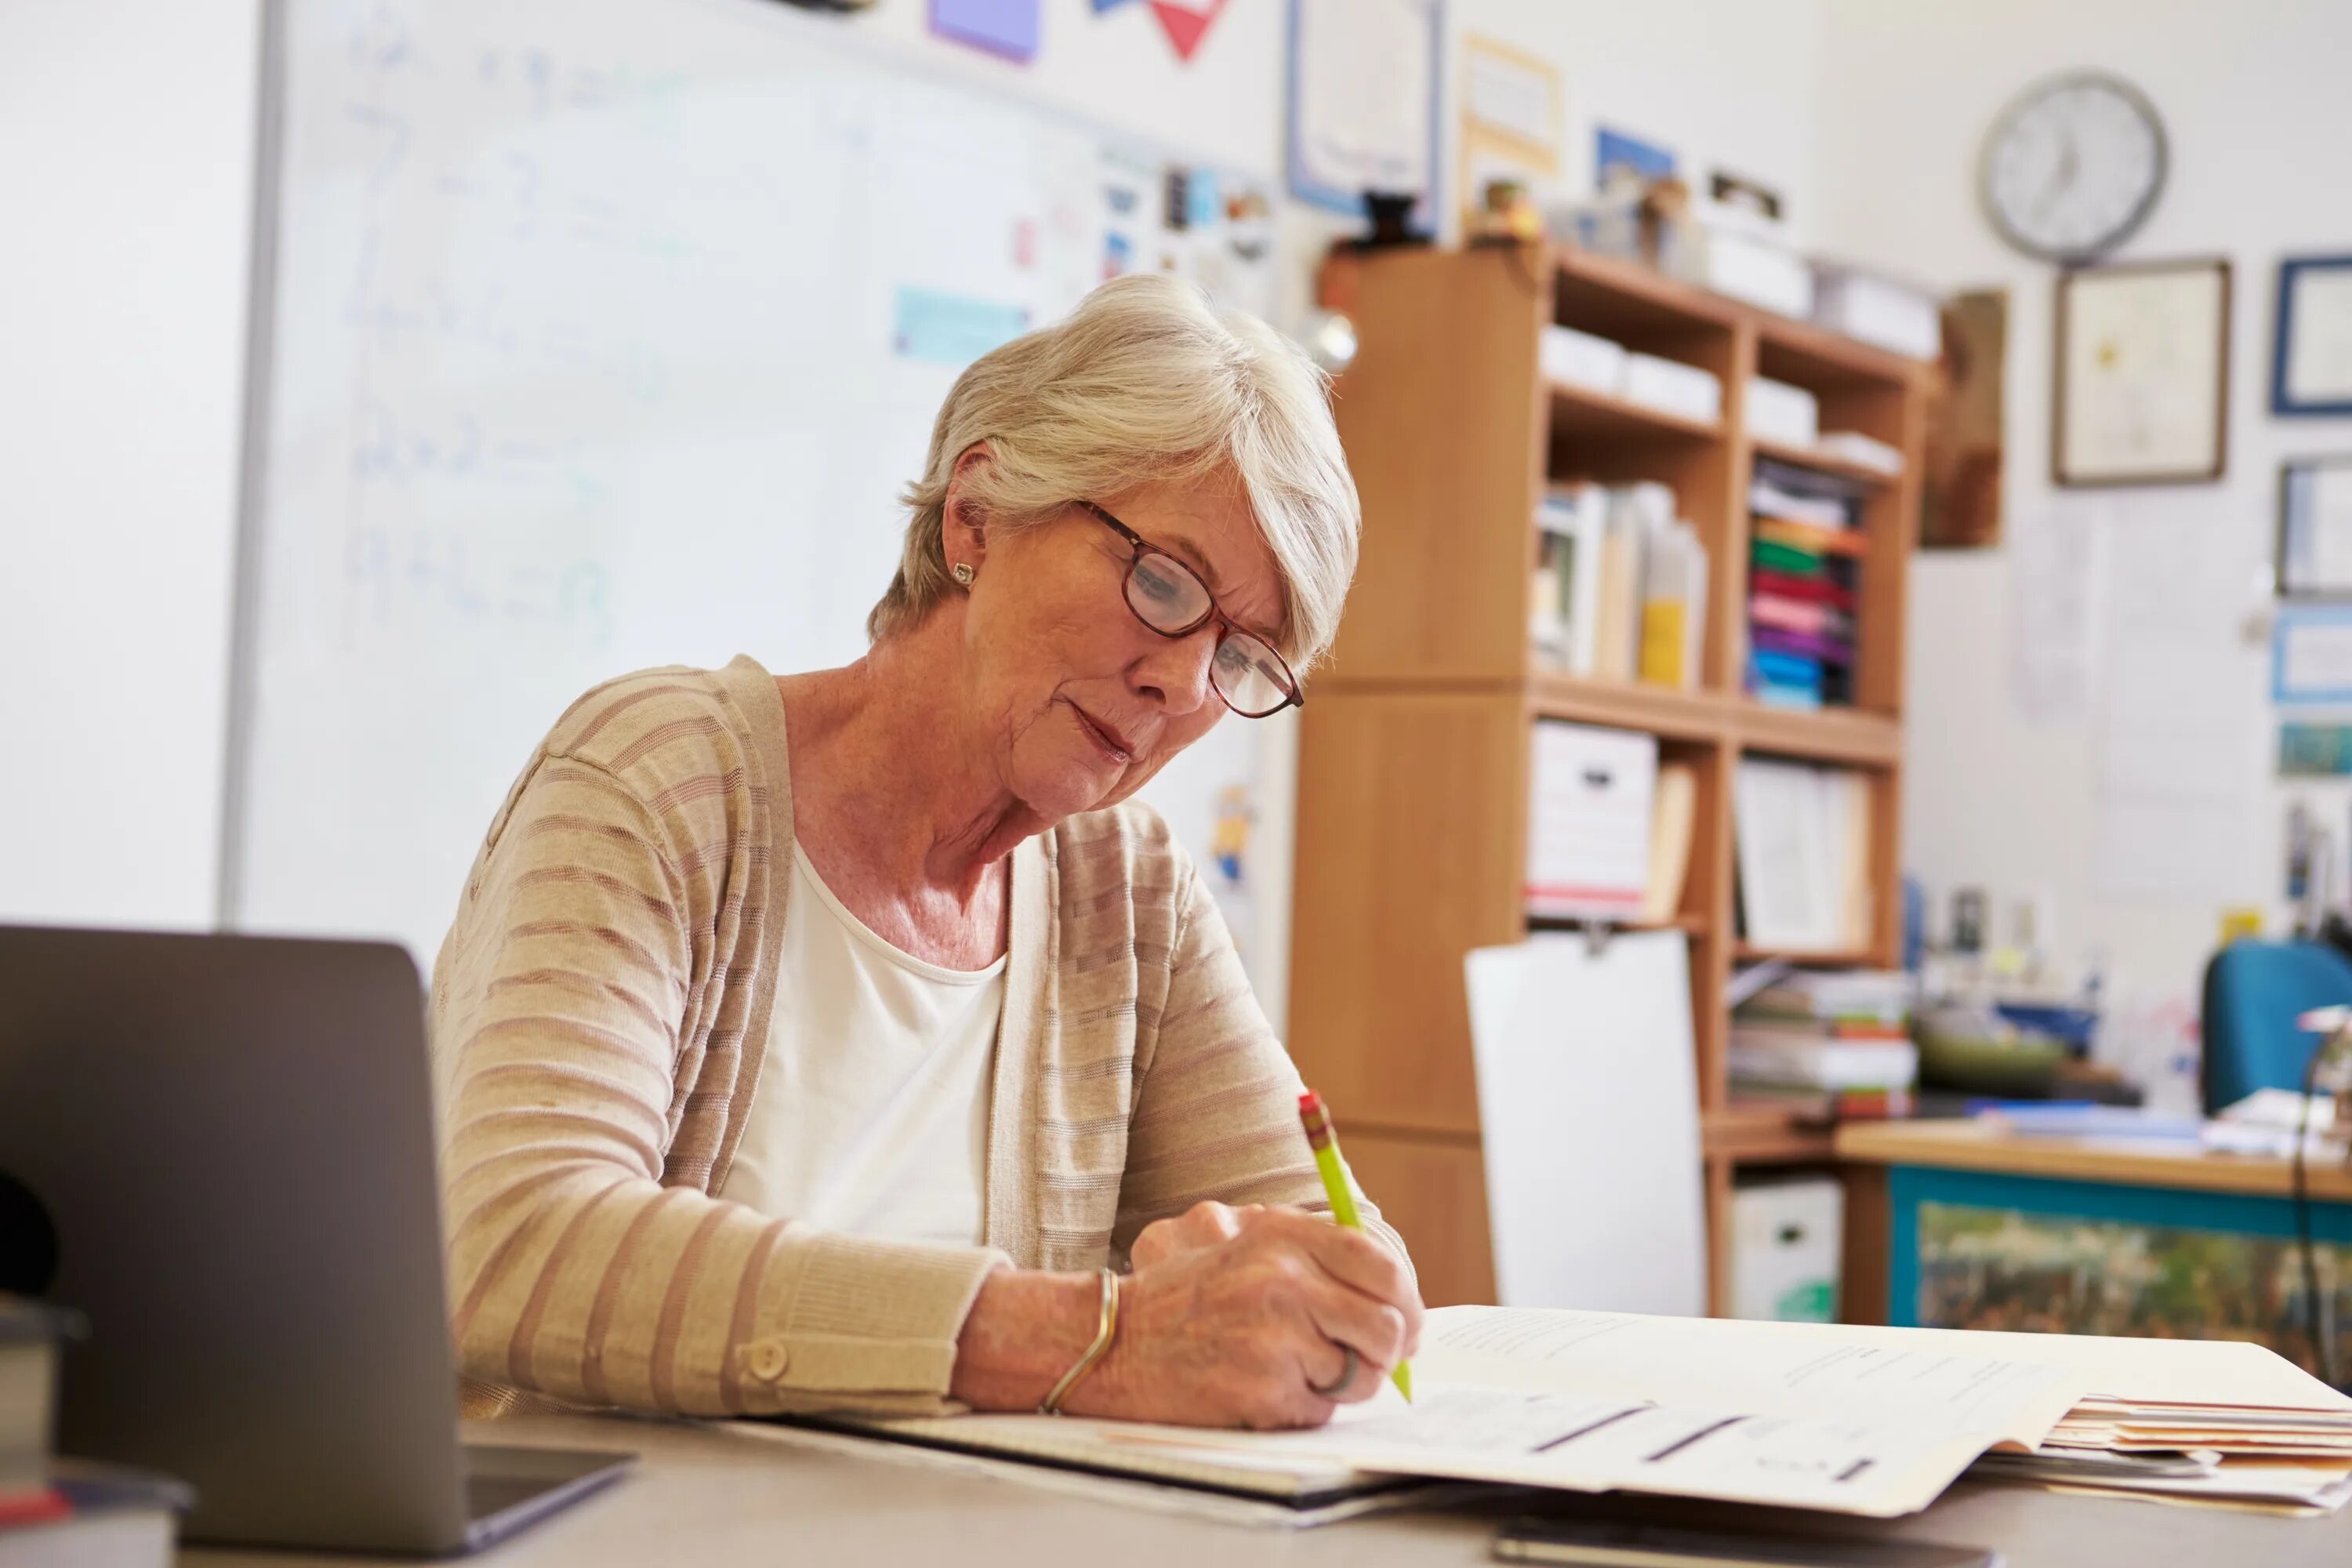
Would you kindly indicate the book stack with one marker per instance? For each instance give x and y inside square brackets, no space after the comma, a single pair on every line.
[1805,560]
[1620,585]
[55,1513]
[1836,1039]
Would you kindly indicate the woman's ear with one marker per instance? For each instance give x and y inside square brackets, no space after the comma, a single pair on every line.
[963,520]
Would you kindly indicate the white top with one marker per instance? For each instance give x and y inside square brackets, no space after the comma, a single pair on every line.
[871,1113]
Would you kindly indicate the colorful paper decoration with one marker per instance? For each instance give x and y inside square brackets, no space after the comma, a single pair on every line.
[1186,22]
[1006,27]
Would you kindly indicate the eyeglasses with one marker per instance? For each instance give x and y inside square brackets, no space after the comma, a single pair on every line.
[1169,597]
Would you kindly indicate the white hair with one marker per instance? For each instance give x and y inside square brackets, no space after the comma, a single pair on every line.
[1145,383]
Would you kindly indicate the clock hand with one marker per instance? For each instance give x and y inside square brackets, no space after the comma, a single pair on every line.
[2070,163]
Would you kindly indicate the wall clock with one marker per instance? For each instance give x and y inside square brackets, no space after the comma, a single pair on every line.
[2072,166]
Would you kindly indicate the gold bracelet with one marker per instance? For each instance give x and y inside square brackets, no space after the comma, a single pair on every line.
[1105,1330]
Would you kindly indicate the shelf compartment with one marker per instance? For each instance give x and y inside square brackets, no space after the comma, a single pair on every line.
[1822,462]
[1578,411]
[1817,359]
[1629,302]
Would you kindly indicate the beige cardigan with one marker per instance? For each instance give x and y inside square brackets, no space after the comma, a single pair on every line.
[600,1010]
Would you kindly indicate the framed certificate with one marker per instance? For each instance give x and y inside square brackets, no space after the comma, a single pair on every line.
[2314,529]
[2142,390]
[2311,361]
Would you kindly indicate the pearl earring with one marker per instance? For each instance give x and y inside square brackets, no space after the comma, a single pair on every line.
[962,571]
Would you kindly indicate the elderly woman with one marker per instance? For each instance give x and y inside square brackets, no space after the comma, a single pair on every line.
[838,1040]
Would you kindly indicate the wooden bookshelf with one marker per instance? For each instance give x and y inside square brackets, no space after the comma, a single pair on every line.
[1414,746]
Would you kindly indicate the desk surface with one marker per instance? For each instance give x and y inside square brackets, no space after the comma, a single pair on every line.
[716,1498]
[1982,1146]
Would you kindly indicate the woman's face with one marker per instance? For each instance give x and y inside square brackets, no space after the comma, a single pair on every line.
[1080,701]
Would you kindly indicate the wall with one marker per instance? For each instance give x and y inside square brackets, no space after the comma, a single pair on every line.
[125,164]
[2252,98]
[1725,84]
[125,121]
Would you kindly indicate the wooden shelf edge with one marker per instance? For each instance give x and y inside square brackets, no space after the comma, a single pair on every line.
[1647,284]
[1830,735]
[1762,1135]
[1665,710]
[1607,409]
[1851,355]
[1689,925]
[1822,462]
[1828,957]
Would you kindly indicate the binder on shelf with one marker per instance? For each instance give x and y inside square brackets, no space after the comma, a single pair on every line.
[1674,604]
[1674,816]
[1571,522]
[1802,841]
[1590,796]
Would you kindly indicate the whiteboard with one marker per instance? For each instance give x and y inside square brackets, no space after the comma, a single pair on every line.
[598,334]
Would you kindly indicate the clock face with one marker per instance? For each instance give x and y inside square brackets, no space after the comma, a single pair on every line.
[2073,166]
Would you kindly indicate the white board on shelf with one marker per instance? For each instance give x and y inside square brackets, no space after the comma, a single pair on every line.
[1587,1112]
[598,334]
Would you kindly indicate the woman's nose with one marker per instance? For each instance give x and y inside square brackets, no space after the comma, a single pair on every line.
[1175,671]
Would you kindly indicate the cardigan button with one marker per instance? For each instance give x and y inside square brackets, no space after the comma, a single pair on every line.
[767,1359]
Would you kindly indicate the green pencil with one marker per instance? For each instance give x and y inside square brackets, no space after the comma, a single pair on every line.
[1324,1139]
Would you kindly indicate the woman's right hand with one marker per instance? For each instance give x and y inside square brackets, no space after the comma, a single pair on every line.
[1235,1316]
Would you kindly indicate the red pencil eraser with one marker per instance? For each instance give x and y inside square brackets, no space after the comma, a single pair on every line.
[1310,1100]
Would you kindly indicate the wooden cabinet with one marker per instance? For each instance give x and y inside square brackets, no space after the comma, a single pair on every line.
[1412,775]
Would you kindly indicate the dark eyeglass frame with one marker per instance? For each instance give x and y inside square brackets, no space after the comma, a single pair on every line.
[1142,547]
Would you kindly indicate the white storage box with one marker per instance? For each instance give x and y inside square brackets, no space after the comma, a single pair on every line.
[1786,1242]
[1779,412]
[1673,387]
[1746,267]
[1878,309]
[1580,359]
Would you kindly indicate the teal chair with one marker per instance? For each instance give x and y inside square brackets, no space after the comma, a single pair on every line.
[2255,991]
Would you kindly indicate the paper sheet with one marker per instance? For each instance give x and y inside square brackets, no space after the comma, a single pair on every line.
[1766,1371]
[2181,741]
[2054,592]
[1697,1407]
[1363,99]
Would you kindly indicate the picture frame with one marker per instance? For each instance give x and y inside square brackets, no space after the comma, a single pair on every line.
[2313,558]
[1345,56]
[2311,345]
[2141,374]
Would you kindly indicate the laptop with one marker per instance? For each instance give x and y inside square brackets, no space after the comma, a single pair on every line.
[220,1150]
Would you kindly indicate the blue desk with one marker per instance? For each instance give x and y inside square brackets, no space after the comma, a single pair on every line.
[1958,1225]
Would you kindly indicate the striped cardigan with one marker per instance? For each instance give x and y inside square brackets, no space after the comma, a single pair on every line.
[600,1010]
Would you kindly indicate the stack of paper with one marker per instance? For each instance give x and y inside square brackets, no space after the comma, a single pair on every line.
[1790,1413]
[1836,1030]
[1805,559]
[1872,1421]
[2298,1459]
